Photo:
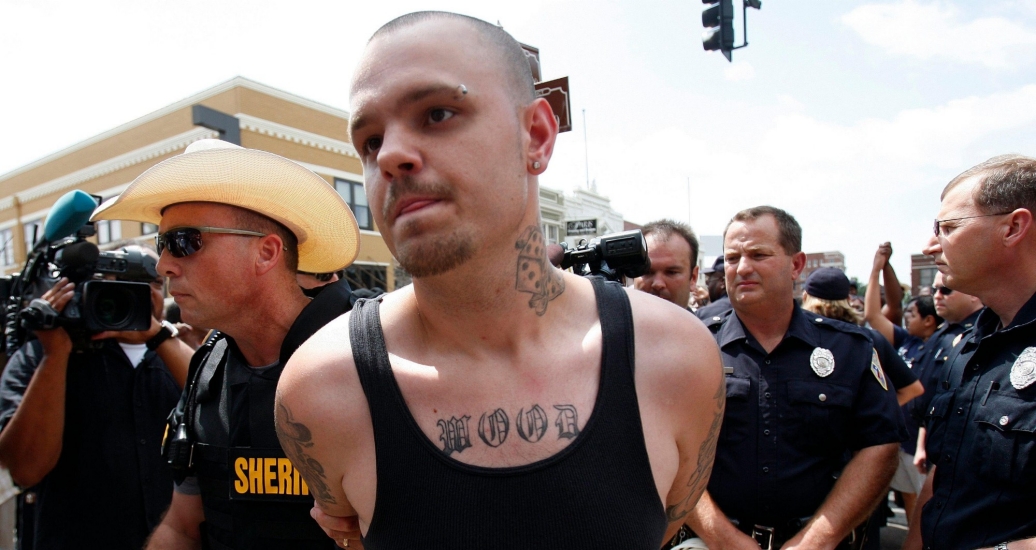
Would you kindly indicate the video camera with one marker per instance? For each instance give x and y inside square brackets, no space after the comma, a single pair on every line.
[611,256]
[97,304]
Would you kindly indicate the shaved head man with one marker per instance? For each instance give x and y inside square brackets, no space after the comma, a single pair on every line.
[503,413]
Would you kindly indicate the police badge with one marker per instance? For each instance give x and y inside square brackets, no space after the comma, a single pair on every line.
[822,361]
[1023,371]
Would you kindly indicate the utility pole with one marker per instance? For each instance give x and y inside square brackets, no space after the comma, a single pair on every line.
[586,152]
[688,200]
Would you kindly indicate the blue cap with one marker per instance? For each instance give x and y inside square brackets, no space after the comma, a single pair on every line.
[716,266]
[828,283]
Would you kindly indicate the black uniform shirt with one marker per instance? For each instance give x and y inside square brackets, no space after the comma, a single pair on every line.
[982,437]
[719,308]
[787,431]
[111,485]
[931,367]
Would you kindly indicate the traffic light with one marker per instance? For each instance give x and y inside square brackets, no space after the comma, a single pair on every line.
[718,20]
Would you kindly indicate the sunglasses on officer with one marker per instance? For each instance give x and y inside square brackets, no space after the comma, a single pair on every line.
[184,241]
[944,290]
[322,277]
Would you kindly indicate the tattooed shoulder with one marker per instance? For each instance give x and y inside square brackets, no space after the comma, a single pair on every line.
[296,438]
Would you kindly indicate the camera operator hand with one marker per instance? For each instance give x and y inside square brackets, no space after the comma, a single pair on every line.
[174,352]
[56,341]
[30,444]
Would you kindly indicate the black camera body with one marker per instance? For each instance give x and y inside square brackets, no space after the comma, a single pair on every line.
[97,305]
[611,256]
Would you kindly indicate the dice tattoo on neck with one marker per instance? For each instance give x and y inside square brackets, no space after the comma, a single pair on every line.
[535,275]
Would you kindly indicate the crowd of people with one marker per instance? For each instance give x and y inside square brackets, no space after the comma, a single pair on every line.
[499,402]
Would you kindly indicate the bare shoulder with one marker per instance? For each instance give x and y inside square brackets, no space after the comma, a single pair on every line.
[675,352]
[322,418]
[323,365]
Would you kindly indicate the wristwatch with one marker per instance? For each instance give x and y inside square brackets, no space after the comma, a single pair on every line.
[167,331]
[1001,546]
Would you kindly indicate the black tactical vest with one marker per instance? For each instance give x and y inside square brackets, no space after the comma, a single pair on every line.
[252,495]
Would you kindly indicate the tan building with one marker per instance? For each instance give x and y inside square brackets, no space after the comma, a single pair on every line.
[241,111]
[816,260]
[922,272]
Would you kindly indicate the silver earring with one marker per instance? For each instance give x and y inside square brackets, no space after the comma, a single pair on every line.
[536,165]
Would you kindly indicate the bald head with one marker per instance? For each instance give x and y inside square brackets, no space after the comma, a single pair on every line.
[500,47]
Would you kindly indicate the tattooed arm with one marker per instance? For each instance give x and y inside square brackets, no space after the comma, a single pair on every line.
[679,378]
[323,425]
[697,448]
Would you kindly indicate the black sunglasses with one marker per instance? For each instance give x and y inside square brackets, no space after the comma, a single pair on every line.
[184,241]
[322,277]
[944,290]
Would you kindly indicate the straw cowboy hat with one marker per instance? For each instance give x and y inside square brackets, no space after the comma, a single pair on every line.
[211,170]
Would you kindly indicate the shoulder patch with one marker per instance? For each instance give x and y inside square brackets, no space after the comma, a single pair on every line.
[879,374]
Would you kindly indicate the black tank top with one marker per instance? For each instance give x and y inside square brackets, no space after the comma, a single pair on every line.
[598,492]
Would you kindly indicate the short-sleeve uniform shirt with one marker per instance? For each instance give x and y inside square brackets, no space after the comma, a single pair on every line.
[795,415]
[982,437]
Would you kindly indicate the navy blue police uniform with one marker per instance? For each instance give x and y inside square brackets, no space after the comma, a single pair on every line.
[930,366]
[719,308]
[793,418]
[982,437]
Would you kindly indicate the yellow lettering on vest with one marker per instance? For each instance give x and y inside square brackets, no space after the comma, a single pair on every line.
[241,483]
[305,488]
[255,476]
[270,475]
[296,482]
[284,476]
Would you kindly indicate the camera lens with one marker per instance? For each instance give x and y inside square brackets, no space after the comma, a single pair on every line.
[114,306]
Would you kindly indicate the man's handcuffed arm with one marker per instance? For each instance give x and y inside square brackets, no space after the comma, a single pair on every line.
[863,482]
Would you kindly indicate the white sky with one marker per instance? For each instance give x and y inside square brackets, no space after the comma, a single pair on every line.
[851,115]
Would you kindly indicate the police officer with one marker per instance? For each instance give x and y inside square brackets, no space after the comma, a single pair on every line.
[235,226]
[811,431]
[959,312]
[981,489]
[719,303]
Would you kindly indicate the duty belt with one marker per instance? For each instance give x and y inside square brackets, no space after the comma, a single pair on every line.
[771,538]
[768,537]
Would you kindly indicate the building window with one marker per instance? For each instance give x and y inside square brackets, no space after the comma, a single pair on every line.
[367,276]
[32,230]
[928,276]
[551,233]
[108,231]
[148,228]
[353,194]
[6,247]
